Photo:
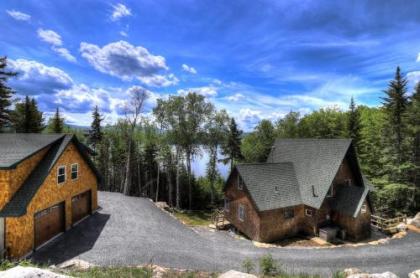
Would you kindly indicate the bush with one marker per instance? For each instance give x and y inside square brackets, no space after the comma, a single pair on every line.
[268,266]
[248,265]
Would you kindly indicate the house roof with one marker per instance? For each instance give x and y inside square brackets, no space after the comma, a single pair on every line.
[349,199]
[316,162]
[15,147]
[19,202]
[303,171]
[271,185]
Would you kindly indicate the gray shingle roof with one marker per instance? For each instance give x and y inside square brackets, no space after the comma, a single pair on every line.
[15,147]
[316,162]
[349,199]
[271,185]
[17,205]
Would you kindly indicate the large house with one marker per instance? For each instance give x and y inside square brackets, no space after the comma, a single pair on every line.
[305,185]
[47,185]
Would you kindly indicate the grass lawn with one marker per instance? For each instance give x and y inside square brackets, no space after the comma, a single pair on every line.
[194,218]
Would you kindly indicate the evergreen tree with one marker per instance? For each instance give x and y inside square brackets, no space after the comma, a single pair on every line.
[257,145]
[231,149]
[95,132]
[5,93]
[56,124]
[413,117]
[26,118]
[354,124]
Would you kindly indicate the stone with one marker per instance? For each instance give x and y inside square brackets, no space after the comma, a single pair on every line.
[414,274]
[415,221]
[76,263]
[373,275]
[236,274]
[30,272]
[351,271]
[402,227]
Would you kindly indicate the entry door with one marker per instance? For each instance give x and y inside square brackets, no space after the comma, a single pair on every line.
[1,237]
[49,223]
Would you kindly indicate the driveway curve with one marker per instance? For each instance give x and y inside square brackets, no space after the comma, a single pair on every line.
[133,231]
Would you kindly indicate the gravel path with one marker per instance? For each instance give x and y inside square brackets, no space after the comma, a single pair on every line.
[132,231]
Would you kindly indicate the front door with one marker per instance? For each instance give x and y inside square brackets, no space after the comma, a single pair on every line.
[1,237]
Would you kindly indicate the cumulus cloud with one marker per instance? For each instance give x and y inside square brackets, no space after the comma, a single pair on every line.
[414,76]
[207,91]
[236,97]
[418,57]
[54,39]
[128,62]
[123,33]
[36,78]
[119,11]
[19,15]
[189,69]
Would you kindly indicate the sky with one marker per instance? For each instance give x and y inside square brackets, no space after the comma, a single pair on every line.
[256,59]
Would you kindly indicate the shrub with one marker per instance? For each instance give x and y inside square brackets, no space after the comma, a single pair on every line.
[248,265]
[268,266]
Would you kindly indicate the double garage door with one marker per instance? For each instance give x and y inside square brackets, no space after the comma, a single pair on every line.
[51,221]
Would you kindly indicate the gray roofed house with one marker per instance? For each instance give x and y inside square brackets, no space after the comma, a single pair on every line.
[313,177]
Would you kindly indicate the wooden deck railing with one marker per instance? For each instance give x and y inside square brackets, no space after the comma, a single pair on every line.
[388,225]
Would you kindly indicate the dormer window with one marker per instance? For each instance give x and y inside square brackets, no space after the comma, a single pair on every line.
[61,174]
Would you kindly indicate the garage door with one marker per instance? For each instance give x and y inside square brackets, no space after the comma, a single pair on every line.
[49,223]
[80,206]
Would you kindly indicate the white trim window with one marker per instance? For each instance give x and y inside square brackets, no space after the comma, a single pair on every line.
[309,212]
[61,174]
[227,204]
[74,171]
[241,213]
[364,209]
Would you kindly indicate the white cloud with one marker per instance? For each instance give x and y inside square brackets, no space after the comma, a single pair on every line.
[418,57]
[65,53]
[123,33]
[36,78]
[19,15]
[50,37]
[189,69]
[207,91]
[128,62]
[236,97]
[414,76]
[120,10]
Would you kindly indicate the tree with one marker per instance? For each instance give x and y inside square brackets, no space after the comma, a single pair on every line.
[95,132]
[26,118]
[288,127]
[56,123]
[6,93]
[231,148]
[324,123]
[133,110]
[217,130]
[257,145]
[395,104]
[354,124]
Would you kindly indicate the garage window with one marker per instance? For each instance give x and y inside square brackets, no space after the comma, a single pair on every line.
[61,174]
[74,171]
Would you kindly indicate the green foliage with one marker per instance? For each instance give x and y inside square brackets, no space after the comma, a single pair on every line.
[6,94]
[288,127]
[324,123]
[354,124]
[110,272]
[26,118]
[248,265]
[56,123]
[339,274]
[256,146]
[95,131]
[6,264]
[268,266]
[231,148]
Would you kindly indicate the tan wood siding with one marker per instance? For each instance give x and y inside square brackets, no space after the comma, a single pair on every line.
[20,230]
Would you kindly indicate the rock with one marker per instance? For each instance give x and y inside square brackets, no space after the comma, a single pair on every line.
[402,227]
[29,272]
[76,263]
[351,271]
[415,221]
[373,275]
[162,206]
[236,274]
[414,274]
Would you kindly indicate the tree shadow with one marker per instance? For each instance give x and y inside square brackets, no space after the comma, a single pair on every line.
[73,242]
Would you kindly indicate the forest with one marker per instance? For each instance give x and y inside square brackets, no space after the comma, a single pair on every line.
[152,156]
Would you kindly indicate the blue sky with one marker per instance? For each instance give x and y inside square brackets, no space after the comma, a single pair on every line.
[256,59]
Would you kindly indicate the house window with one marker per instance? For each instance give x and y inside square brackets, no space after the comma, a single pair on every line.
[240,183]
[74,171]
[364,209]
[330,192]
[227,204]
[348,182]
[289,213]
[308,212]
[241,213]
[61,174]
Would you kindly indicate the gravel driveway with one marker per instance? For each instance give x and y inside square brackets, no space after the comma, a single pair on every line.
[132,231]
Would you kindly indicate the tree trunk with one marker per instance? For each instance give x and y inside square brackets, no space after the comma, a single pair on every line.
[127,180]
[169,180]
[177,178]
[157,183]
[189,180]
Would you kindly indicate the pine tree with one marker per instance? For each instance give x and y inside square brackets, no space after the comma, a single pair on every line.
[395,104]
[231,149]
[95,132]
[57,122]
[353,124]
[26,118]
[5,93]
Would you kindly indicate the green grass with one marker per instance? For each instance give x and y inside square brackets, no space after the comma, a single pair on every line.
[110,272]
[6,264]
[194,218]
